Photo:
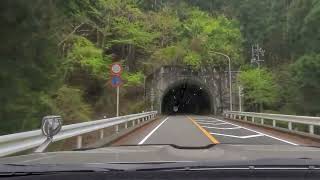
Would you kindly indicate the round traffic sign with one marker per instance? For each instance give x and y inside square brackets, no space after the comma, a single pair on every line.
[116,68]
[116,81]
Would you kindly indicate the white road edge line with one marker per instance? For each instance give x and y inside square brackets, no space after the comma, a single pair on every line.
[260,133]
[145,138]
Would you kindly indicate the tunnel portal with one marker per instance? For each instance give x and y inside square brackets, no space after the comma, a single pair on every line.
[186,98]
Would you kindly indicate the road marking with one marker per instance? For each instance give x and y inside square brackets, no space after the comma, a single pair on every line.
[214,123]
[211,138]
[145,138]
[212,127]
[240,137]
[206,121]
[260,133]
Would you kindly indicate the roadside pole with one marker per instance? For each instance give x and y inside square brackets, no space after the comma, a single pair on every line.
[118,92]
[256,52]
[240,100]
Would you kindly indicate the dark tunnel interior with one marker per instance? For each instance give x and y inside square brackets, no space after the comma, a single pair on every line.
[186,98]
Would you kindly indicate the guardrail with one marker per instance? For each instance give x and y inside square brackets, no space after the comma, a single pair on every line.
[13,143]
[302,125]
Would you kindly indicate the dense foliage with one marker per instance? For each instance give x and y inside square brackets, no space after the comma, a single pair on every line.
[55,54]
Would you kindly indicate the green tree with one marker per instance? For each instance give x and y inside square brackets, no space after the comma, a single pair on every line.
[259,88]
[305,74]
[68,102]
[29,62]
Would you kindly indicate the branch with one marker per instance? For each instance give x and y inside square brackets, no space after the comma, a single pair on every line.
[68,36]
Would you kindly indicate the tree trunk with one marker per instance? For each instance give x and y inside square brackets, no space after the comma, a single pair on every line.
[261,107]
[130,58]
[98,38]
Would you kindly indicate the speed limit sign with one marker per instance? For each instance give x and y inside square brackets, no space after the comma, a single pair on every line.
[116,68]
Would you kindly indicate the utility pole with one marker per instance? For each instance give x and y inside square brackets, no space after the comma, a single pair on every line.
[256,53]
[152,98]
[240,98]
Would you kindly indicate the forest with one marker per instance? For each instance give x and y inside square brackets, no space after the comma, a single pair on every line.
[55,54]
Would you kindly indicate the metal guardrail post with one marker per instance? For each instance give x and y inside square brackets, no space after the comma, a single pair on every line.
[274,123]
[101,133]
[133,122]
[79,142]
[117,128]
[311,129]
[262,121]
[290,126]
[126,125]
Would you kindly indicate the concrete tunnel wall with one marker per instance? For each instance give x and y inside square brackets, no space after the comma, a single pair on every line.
[161,80]
[197,99]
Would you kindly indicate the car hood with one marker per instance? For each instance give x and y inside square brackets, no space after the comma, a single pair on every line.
[168,153]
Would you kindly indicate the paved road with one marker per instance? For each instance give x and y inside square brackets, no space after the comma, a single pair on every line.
[194,130]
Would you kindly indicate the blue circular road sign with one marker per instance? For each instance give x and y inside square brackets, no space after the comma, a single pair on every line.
[116,81]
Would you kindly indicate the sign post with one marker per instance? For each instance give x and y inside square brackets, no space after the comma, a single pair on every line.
[116,81]
[118,92]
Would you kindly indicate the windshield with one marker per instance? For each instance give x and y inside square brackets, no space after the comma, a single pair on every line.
[187,73]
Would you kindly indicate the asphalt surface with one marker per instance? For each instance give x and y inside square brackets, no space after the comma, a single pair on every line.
[195,130]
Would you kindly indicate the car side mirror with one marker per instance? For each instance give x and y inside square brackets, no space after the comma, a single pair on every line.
[50,126]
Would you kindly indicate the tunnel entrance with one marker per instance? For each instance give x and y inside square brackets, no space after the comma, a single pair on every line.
[186,98]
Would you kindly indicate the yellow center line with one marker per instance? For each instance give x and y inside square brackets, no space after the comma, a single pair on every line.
[211,138]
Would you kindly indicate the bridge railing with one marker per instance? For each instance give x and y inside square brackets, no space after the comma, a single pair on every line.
[302,125]
[14,143]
